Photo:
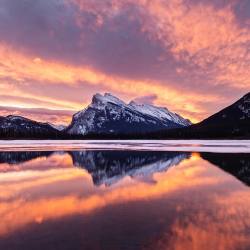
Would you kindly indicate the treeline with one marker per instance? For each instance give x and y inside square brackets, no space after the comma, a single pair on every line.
[211,131]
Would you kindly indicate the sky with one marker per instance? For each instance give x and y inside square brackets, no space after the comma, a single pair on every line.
[191,56]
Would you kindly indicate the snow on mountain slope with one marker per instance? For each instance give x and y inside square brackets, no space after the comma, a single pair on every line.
[159,112]
[109,115]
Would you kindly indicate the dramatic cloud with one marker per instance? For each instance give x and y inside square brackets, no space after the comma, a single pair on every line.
[194,55]
[148,99]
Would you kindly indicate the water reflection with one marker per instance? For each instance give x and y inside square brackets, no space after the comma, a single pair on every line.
[19,157]
[105,166]
[65,200]
[108,167]
[236,164]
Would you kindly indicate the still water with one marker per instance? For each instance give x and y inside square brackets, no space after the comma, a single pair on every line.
[124,199]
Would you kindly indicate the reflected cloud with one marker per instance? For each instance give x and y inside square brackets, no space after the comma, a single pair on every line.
[106,167]
[237,165]
[37,195]
[193,204]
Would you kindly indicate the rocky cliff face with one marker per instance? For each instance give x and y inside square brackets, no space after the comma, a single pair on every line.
[109,115]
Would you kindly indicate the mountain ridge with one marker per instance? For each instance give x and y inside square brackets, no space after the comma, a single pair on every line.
[14,126]
[232,121]
[109,117]
[108,114]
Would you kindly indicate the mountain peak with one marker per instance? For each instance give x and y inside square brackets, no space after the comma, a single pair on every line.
[108,114]
[106,98]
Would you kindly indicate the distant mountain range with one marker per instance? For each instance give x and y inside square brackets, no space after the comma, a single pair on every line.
[109,117]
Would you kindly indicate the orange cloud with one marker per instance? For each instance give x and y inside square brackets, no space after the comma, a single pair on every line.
[207,43]
[21,67]
[201,35]
[222,226]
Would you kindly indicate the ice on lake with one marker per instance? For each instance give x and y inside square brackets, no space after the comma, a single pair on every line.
[224,146]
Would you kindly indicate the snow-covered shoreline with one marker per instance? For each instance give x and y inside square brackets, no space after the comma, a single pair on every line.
[220,146]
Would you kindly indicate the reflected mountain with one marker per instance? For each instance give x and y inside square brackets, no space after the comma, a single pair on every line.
[108,167]
[13,158]
[237,165]
[105,166]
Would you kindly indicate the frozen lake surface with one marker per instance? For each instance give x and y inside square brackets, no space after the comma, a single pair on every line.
[223,146]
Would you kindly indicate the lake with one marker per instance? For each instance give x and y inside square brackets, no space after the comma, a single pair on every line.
[125,195]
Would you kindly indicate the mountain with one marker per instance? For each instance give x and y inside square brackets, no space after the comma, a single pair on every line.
[108,167]
[231,122]
[59,127]
[18,127]
[109,115]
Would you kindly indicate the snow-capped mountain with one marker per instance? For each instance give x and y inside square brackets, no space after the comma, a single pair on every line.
[108,167]
[19,127]
[109,115]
